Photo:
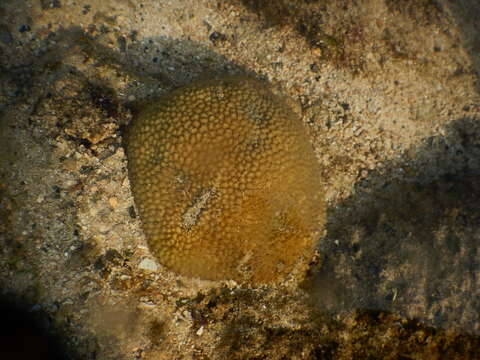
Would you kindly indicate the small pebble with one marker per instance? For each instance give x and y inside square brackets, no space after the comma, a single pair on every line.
[113,201]
[148,264]
[103,227]
[24,28]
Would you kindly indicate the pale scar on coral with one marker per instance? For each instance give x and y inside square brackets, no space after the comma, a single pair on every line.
[225,181]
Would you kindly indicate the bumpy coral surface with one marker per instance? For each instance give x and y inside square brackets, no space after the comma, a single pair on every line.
[225,181]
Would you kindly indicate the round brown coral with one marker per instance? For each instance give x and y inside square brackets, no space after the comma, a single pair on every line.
[225,181]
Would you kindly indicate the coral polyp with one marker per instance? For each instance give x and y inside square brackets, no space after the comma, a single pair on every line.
[226,181]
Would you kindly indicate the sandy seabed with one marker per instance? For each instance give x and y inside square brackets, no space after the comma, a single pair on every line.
[388,92]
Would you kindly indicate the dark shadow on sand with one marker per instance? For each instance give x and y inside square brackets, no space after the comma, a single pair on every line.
[410,244]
